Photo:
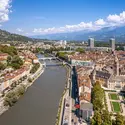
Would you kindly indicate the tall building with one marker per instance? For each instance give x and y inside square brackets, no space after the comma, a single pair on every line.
[112,44]
[91,42]
[65,42]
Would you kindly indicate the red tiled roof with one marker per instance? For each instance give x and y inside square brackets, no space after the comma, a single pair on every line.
[85,96]
[15,73]
[84,80]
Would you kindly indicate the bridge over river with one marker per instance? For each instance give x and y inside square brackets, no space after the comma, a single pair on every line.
[47,58]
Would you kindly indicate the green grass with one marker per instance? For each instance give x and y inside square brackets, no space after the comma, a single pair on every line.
[113,96]
[116,106]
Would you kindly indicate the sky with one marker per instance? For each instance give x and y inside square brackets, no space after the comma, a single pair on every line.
[35,17]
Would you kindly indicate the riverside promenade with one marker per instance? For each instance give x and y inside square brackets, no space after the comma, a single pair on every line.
[64,113]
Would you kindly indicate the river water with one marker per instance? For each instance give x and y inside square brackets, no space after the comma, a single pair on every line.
[39,105]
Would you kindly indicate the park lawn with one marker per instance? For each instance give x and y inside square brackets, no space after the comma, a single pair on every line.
[113,96]
[116,106]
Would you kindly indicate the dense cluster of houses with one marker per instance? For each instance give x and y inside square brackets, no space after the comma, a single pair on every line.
[84,89]
[13,78]
[108,68]
[10,77]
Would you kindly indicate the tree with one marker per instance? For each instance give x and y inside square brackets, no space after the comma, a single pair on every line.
[20,91]
[15,61]
[9,58]
[101,117]
[106,117]
[80,50]
[62,55]
[35,68]
[97,97]
[96,120]
[2,66]
[11,50]
[120,120]
[10,99]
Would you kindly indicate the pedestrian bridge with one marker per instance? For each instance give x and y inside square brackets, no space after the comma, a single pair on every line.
[48,58]
[49,65]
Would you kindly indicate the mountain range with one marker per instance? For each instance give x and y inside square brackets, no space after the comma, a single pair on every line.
[103,34]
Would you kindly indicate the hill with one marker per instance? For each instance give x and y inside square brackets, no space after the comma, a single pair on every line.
[7,36]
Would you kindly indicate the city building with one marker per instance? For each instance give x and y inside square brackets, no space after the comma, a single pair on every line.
[13,77]
[3,57]
[116,83]
[112,44]
[80,60]
[91,42]
[86,111]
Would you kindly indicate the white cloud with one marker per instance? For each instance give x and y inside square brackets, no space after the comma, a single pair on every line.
[116,20]
[19,30]
[100,22]
[4,10]
[66,28]
[111,20]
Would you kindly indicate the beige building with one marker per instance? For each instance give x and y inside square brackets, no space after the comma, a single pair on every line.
[117,83]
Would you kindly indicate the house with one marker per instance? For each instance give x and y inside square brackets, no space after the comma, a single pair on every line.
[13,77]
[117,83]
[80,60]
[101,76]
[84,86]
[35,60]
[3,57]
[86,111]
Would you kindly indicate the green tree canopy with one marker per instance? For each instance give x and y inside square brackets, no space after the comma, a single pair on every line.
[80,50]
[120,120]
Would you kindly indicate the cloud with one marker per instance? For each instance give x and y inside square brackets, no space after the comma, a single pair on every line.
[116,20]
[5,10]
[100,22]
[19,30]
[66,28]
[109,21]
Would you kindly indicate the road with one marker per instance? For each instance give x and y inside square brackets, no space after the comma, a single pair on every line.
[74,97]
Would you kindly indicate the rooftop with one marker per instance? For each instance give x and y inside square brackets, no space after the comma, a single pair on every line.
[88,106]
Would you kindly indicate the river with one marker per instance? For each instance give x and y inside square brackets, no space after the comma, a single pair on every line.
[39,105]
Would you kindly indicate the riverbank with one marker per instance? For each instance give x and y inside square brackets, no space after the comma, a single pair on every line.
[26,83]
[65,95]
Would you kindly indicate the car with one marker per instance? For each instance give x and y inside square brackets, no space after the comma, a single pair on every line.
[67,105]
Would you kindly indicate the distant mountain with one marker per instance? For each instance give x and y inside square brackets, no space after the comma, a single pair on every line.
[102,35]
[7,36]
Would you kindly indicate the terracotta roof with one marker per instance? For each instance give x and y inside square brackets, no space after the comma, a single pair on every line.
[15,73]
[85,96]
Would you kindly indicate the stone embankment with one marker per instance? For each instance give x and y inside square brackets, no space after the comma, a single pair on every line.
[60,114]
